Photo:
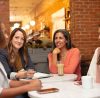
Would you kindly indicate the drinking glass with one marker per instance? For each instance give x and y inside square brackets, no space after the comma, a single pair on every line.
[60,66]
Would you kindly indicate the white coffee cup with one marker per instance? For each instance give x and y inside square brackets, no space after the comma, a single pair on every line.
[87,82]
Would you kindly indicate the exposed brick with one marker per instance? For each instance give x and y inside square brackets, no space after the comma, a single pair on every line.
[4,13]
[85,15]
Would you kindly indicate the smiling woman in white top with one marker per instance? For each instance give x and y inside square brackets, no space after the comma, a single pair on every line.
[17,87]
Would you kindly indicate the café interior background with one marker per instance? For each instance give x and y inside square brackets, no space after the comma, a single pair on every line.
[80,17]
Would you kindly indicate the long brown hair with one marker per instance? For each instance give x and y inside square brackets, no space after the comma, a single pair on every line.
[12,55]
[98,57]
[2,37]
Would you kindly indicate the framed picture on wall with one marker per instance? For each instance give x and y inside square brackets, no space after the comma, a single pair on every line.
[67,20]
[58,20]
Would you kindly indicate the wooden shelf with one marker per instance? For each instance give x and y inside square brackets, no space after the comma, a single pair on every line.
[67,20]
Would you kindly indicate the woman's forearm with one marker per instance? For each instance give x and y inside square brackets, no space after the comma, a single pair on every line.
[14,91]
[15,83]
[21,87]
[54,59]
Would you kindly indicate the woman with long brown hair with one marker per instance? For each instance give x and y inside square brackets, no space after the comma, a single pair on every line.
[12,88]
[17,59]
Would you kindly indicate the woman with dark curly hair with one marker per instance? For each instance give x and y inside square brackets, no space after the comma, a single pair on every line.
[63,51]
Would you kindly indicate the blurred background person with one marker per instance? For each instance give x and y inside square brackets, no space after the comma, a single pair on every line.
[3,36]
[94,68]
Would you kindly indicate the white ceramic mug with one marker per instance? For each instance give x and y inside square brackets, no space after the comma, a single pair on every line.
[87,82]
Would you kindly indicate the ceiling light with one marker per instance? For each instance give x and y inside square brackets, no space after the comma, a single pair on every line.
[32,23]
[16,25]
[27,26]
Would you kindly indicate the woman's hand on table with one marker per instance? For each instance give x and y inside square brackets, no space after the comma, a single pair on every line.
[25,73]
[78,82]
[30,73]
[35,84]
[21,74]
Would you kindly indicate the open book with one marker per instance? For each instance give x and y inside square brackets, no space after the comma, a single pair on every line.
[41,75]
[38,75]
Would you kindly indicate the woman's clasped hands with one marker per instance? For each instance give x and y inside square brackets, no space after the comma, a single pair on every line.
[30,73]
[56,51]
[35,84]
[25,73]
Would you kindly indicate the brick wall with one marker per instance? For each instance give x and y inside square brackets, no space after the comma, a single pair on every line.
[85,18]
[4,13]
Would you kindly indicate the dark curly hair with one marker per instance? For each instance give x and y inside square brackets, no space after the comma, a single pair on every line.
[66,35]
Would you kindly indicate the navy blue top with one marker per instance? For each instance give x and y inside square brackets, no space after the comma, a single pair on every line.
[8,68]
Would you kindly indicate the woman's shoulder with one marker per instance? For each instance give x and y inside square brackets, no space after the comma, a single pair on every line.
[97,49]
[3,52]
[50,53]
[74,50]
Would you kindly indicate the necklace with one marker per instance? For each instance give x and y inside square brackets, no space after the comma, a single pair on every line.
[63,56]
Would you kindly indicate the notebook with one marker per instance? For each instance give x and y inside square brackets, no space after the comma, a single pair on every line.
[39,75]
